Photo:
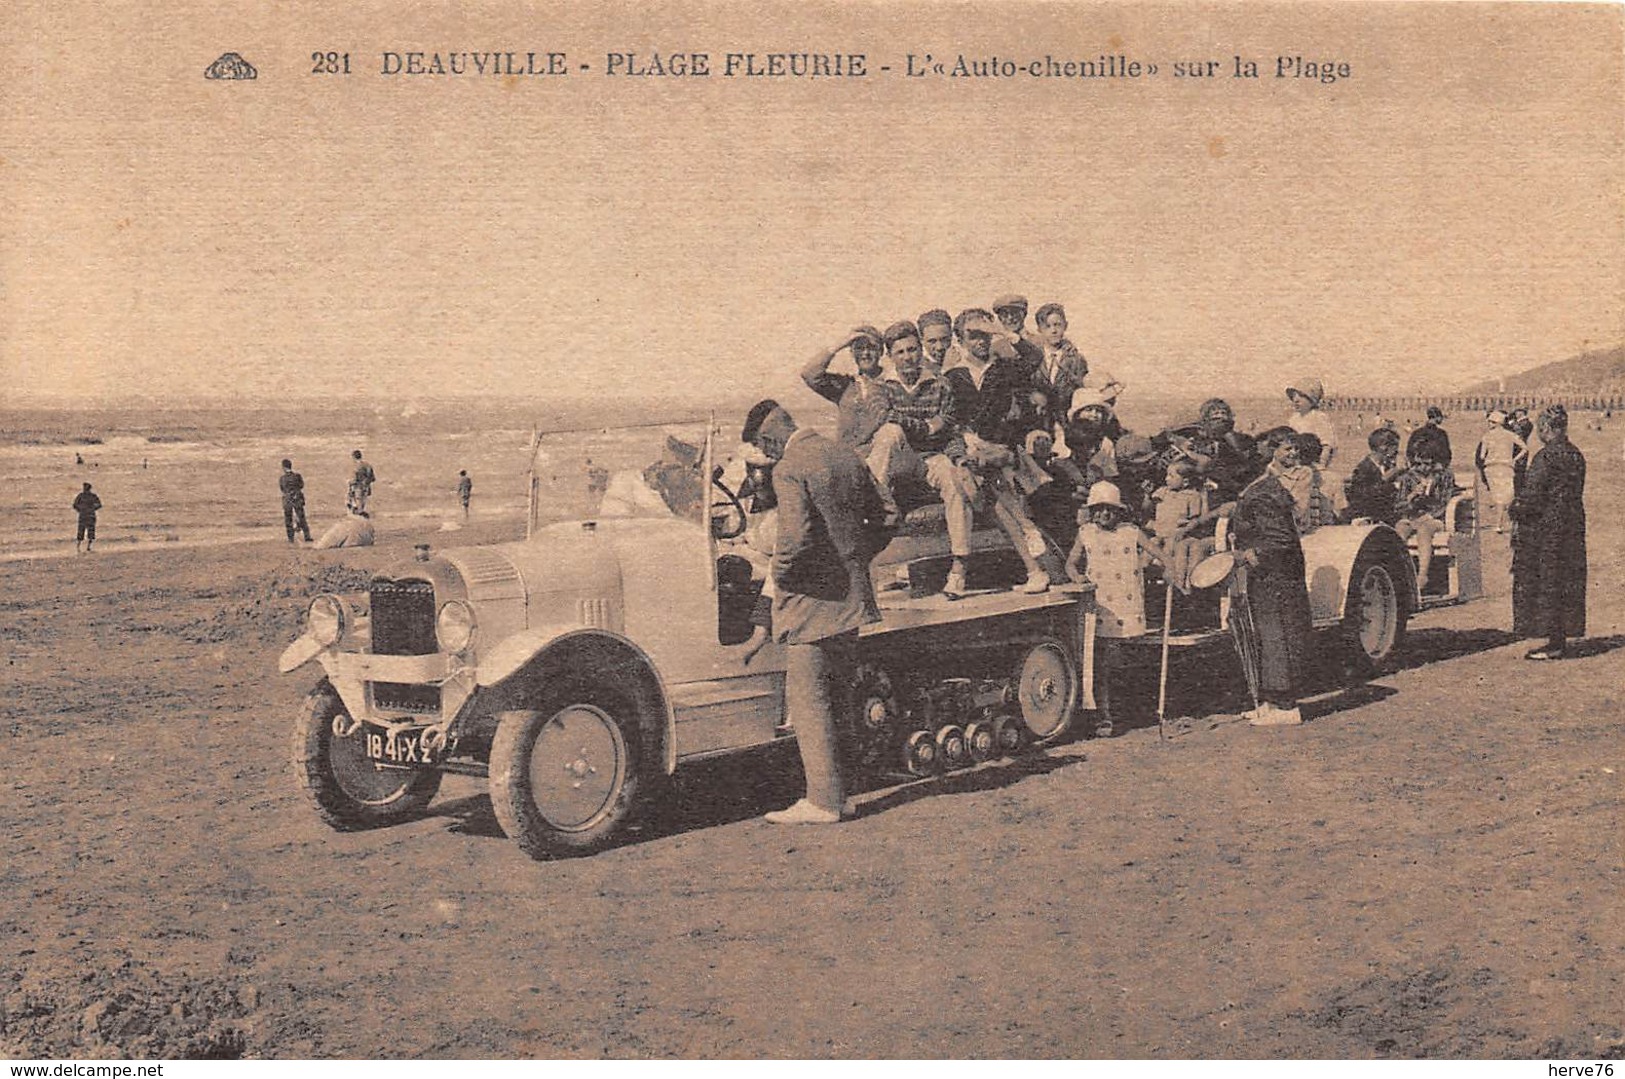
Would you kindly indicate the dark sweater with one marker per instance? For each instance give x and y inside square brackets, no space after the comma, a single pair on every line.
[1370,495]
[986,409]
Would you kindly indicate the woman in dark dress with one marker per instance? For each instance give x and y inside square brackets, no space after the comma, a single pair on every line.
[1264,534]
[1549,541]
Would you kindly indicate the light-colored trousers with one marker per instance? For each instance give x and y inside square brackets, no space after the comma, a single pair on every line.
[1424,528]
[816,687]
[891,459]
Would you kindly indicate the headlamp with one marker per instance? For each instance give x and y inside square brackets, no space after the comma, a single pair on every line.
[454,626]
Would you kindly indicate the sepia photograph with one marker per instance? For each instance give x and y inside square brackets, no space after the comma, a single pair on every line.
[900,529]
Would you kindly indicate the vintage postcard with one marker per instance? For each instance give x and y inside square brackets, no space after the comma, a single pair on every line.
[924,528]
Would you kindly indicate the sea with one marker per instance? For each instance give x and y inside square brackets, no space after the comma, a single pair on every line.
[207,475]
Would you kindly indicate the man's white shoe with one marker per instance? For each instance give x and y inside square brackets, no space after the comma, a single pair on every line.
[1270,716]
[804,812]
[1035,583]
[954,587]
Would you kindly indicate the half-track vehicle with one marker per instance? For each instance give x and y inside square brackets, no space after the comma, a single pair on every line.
[579,669]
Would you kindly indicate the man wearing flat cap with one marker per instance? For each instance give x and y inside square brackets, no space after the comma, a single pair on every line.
[830,526]
[1011,311]
[989,398]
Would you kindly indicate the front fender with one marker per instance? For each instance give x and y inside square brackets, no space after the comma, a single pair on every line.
[511,671]
[514,651]
[297,654]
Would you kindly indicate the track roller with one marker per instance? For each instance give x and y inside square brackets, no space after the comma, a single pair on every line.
[980,742]
[1008,735]
[920,755]
[951,747]
[877,714]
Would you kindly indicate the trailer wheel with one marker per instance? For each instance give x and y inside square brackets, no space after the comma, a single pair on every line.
[348,791]
[1374,616]
[566,777]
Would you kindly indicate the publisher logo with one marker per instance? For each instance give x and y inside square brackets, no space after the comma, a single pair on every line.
[230,66]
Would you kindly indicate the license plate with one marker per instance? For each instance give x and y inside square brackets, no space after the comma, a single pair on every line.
[405,748]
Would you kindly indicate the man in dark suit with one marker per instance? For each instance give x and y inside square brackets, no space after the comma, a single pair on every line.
[1429,442]
[1370,490]
[292,485]
[831,523]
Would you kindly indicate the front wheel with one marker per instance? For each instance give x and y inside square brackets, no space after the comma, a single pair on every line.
[566,778]
[1374,617]
[349,791]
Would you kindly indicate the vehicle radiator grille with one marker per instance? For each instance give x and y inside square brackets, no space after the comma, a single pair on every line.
[402,617]
[403,625]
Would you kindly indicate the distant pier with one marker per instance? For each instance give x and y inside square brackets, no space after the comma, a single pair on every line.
[1478,402]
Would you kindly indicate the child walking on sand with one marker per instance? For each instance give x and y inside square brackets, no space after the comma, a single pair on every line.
[1111,552]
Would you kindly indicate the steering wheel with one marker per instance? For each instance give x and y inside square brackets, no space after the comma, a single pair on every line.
[732,521]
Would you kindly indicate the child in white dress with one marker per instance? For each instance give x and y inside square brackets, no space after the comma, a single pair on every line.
[1111,552]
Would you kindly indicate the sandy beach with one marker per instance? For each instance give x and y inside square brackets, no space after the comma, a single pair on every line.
[1429,867]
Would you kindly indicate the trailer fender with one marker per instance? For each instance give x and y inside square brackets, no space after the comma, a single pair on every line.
[1329,556]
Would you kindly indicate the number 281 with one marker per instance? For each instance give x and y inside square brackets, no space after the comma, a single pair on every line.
[330,63]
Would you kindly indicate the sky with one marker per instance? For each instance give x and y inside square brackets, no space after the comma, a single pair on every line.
[1450,212]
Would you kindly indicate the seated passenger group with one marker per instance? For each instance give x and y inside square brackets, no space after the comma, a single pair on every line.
[983,413]
[977,413]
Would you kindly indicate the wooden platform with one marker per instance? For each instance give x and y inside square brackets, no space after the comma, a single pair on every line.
[899,611]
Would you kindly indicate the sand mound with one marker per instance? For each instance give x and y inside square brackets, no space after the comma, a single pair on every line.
[271,609]
[128,1012]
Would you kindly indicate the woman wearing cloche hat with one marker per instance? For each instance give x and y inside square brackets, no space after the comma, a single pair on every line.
[1308,418]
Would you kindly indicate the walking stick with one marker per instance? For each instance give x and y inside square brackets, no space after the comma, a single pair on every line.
[1162,678]
[1245,633]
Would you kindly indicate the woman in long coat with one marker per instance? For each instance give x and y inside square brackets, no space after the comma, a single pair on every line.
[1549,541]
[1265,536]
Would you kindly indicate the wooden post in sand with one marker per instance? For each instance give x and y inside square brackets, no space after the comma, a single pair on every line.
[531,487]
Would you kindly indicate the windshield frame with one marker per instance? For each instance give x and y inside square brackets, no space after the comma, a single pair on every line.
[682,428]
